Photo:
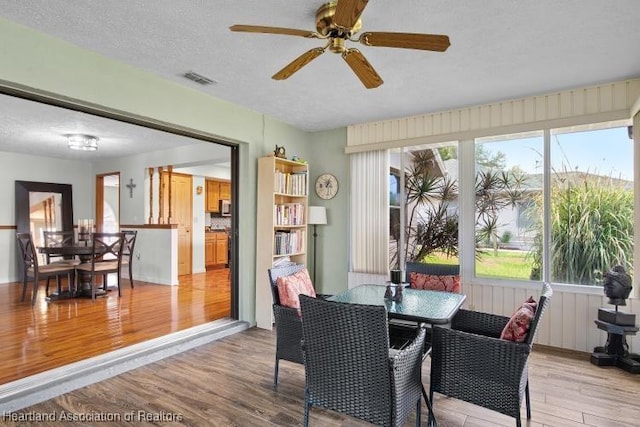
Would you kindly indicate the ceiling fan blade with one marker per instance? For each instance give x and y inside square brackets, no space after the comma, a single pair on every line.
[348,12]
[359,64]
[435,42]
[298,63]
[273,30]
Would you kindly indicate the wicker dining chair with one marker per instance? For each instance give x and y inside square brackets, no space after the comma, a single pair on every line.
[470,362]
[400,327]
[431,268]
[349,367]
[287,320]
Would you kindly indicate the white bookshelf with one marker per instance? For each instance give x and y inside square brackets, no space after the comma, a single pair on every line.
[281,228]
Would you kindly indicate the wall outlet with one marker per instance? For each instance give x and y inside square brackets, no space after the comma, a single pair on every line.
[472,307]
[138,256]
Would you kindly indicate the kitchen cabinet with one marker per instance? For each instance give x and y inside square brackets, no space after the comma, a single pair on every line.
[209,250]
[216,191]
[213,196]
[215,249]
[221,250]
[225,190]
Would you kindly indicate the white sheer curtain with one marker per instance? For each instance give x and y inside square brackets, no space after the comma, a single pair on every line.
[369,212]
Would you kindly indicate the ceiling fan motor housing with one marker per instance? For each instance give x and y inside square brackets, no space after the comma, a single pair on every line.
[325,25]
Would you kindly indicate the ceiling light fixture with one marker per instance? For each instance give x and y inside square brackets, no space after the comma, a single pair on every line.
[82,142]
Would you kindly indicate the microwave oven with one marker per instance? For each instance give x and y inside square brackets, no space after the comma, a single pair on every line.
[225,208]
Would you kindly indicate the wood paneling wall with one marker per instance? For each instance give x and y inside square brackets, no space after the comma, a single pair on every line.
[611,101]
[569,322]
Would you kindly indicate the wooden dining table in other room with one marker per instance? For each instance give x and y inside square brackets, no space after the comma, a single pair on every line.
[84,252]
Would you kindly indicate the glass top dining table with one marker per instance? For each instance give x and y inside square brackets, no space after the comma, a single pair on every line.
[417,305]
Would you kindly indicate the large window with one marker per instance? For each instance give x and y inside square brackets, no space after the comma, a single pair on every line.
[585,187]
[508,178]
[426,207]
[591,204]
[554,205]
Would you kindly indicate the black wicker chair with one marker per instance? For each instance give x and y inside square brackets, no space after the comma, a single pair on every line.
[470,362]
[435,269]
[401,328]
[349,367]
[288,324]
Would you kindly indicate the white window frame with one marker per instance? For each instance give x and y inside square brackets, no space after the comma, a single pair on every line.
[466,164]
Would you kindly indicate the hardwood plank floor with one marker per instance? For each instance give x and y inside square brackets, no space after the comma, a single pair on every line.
[52,334]
[229,383]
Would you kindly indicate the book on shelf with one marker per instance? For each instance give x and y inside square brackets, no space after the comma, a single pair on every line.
[289,214]
[288,242]
[294,183]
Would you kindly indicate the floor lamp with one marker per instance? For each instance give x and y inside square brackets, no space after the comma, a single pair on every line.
[317,216]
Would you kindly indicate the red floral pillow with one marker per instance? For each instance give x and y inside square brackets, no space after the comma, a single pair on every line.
[517,327]
[435,283]
[289,287]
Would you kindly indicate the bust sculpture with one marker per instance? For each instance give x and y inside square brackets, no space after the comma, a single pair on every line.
[617,285]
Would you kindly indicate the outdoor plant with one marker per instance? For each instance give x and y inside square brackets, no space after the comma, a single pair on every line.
[432,220]
[495,190]
[592,228]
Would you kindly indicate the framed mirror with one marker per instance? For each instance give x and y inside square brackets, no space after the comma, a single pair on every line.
[43,206]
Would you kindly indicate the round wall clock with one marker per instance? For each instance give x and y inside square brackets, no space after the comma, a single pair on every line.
[326,186]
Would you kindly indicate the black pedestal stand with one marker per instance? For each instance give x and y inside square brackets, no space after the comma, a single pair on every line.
[616,350]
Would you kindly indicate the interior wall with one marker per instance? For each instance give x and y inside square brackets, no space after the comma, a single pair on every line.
[332,258]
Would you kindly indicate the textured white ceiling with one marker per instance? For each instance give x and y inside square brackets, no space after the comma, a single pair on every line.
[39,129]
[500,49]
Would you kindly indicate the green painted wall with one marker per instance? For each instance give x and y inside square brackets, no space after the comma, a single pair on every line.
[333,239]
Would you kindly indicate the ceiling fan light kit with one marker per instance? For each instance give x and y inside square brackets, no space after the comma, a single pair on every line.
[337,22]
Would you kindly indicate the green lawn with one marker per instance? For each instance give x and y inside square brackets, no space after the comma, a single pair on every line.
[508,264]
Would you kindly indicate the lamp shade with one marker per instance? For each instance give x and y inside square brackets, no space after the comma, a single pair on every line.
[317,215]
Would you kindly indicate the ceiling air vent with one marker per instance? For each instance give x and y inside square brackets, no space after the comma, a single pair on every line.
[198,78]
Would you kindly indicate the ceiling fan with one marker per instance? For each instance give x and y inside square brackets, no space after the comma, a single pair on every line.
[339,21]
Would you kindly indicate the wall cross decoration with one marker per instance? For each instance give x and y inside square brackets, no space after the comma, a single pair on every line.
[131,186]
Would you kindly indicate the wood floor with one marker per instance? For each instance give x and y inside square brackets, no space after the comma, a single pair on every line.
[229,383]
[52,334]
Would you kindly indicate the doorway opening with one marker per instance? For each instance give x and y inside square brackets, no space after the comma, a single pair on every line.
[108,202]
